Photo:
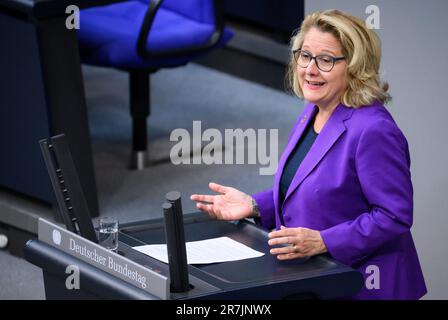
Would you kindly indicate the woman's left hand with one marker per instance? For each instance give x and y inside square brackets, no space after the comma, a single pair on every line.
[301,243]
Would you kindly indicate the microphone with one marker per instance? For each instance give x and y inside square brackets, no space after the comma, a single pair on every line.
[175,240]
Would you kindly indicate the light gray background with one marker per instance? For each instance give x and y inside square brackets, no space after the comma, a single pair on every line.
[414,37]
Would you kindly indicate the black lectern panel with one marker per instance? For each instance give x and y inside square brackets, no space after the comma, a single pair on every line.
[255,279]
[319,277]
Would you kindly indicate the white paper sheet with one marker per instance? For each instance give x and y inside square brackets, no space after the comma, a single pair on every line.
[214,250]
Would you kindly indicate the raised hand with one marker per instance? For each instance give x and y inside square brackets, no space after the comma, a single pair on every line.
[229,204]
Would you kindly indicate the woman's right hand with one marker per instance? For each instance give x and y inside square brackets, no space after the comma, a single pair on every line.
[230,204]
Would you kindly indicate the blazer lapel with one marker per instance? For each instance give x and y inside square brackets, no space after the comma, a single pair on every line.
[328,136]
[300,127]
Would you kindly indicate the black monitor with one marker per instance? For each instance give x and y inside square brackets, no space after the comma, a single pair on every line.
[67,187]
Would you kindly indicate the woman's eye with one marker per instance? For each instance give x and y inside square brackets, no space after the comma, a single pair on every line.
[325,59]
[305,55]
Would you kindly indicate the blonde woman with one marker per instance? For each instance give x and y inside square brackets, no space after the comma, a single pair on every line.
[343,184]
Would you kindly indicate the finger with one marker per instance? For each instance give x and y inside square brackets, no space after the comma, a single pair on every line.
[218,188]
[287,253]
[284,232]
[281,240]
[290,256]
[202,198]
[283,250]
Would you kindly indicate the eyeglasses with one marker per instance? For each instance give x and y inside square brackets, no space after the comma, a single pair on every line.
[323,62]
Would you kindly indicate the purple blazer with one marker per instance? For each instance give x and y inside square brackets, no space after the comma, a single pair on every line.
[354,186]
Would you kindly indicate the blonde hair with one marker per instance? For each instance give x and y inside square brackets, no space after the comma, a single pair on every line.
[360,46]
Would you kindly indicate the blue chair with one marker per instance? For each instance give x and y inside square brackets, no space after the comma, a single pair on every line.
[143,36]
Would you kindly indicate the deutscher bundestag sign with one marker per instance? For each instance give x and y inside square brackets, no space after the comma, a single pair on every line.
[103,259]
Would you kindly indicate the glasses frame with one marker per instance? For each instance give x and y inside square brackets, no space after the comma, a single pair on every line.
[334,59]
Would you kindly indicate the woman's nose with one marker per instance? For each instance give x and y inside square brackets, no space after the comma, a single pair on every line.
[312,68]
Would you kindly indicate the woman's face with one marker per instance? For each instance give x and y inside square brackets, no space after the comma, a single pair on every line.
[324,89]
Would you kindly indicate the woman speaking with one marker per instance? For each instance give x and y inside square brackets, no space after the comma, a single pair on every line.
[343,184]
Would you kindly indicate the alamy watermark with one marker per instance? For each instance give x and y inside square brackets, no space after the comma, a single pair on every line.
[72,281]
[372,281]
[72,21]
[373,20]
[234,147]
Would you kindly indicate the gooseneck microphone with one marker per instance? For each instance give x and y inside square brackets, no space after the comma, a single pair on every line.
[175,240]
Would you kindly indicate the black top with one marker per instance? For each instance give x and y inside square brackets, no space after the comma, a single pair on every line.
[296,158]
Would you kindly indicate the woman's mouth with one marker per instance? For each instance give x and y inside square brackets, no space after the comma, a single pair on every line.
[314,85]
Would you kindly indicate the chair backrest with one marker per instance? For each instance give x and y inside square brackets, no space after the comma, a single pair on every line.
[199,10]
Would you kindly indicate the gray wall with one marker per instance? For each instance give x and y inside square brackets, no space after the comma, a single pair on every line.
[415,63]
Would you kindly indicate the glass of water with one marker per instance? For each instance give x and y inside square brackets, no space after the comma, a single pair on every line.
[108,233]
